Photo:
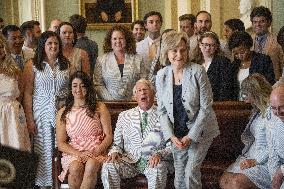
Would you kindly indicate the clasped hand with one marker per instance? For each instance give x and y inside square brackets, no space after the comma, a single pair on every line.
[182,143]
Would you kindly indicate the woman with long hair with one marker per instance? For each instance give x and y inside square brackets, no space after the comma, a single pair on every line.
[250,169]
[83,133]
[46,79]
[13,128]
[79,59]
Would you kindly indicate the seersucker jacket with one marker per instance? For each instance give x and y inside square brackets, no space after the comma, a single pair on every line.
[108,82]
[196,98]
[129,141]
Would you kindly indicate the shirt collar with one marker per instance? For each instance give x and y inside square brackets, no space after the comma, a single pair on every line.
[261,38]
[148,111]
[27,48]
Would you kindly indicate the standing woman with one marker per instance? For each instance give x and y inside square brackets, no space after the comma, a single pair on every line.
[79,59]
[13,128]
[185,108]
[217,66]
[83,133]
[117,71]
[46,77]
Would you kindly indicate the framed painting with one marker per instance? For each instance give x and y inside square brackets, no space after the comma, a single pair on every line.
[103,14]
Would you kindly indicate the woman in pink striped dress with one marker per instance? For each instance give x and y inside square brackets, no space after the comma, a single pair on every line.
[83,133]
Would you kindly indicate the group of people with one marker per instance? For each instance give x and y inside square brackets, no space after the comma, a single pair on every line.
[58,78]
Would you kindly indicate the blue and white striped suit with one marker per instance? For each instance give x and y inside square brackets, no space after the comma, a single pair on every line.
[132,145]
[203,127]
[276,150]
[108,82]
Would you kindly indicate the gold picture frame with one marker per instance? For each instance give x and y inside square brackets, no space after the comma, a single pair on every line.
[88,9]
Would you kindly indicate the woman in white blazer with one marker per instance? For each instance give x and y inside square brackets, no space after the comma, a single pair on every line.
[117,71]
[187,118]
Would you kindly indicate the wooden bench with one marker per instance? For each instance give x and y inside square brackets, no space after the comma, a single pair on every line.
[232,118]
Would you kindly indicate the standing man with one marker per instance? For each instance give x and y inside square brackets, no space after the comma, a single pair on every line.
[54,25]
[139,145]
[186,24]
[203,24]
[15,41]
[31,32]
[147,48]
[83,42]
[264,41]
[138,30]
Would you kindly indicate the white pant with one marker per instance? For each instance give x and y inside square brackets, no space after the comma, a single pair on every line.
[112,173]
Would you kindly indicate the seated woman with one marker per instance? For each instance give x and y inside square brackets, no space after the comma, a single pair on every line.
[13,128]
[217,66]
[250,169]
[247,62]
[79,59]
[83,133]
[117,71]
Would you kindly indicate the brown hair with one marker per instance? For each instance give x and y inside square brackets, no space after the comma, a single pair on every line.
[199,57]
[129,38]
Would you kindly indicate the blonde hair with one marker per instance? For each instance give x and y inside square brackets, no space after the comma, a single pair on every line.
[259,89]
[8,66]
[170,41]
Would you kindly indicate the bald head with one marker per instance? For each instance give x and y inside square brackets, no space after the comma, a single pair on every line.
[277,102]
[54,24]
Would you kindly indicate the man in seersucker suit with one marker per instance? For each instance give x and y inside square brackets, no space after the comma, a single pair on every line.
[139,145]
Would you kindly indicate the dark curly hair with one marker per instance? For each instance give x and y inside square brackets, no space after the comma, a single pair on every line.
[129,37]
[74,32]
[261,11]
[240,38]
[40,53]
[90,95]
[235,24]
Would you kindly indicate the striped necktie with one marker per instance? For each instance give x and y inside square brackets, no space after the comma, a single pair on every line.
[143,162]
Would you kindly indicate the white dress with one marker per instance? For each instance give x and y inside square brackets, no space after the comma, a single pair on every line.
[13,128]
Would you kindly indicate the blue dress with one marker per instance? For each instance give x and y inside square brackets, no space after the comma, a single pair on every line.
[49,87]
[256,147]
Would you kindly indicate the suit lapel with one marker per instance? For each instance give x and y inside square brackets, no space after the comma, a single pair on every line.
[185,80]
[112,65]
[168,89]
[135,123]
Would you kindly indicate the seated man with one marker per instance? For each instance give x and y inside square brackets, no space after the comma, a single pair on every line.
[276,157]
[138,146]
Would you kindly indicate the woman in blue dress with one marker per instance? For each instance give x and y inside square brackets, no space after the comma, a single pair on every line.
[46,77]
[250,169]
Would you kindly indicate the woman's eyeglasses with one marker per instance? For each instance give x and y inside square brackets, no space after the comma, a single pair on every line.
[205,45]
